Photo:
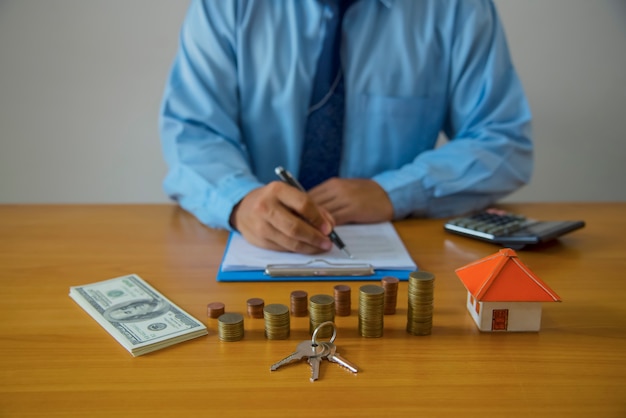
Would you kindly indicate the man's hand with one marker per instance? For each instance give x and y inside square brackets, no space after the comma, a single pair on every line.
[280,217]
[353,200]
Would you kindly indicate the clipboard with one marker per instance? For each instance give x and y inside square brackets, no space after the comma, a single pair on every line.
[295,272]
[243,262]
[319,267]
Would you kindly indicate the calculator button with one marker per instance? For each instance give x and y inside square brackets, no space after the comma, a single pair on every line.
[511,230]
[494,223]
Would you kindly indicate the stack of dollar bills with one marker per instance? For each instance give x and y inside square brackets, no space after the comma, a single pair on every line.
[136,315]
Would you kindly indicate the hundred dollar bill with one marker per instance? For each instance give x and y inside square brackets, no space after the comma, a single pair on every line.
[136,315]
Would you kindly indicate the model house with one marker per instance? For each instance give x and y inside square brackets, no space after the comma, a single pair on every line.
[503,294]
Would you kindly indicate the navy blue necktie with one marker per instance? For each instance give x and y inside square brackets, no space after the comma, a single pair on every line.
[321,153]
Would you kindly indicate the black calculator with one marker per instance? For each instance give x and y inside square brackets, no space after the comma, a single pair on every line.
[508,229]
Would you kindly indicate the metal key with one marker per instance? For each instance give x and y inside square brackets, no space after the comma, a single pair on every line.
[315,364]
[333,357]
[306,349]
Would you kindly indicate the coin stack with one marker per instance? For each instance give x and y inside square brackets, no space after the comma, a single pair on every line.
[342,300]
[215,309]
[255,307]
[321,309]
[276,321]
[420,312]
[390,284]
[230,327]
[299,303]
[371,307]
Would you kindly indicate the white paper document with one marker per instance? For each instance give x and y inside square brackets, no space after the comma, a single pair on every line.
[375,244]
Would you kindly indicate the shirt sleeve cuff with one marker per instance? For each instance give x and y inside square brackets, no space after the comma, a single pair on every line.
[407,195]
[213,208]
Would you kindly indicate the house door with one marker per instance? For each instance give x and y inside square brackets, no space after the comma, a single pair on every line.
[500,320]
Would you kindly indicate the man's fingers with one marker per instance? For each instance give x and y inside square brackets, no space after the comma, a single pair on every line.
[303,206]
[272,239]
[280,217]
[353,200]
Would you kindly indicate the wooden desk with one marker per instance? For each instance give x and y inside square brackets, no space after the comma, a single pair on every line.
[56,361]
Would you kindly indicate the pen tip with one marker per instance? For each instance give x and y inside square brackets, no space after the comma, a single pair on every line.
[346,252]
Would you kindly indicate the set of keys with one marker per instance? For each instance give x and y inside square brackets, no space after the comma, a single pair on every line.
[315,351]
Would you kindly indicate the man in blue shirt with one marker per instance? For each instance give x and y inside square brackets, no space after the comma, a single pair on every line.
[238,96]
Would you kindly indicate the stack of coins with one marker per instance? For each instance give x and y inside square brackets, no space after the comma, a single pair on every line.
[390,284]
[299,303]
[230,327]
[371,307]
[321,309]
[255,307]
[215,309]
[342,300]
[276,321]
[420,313]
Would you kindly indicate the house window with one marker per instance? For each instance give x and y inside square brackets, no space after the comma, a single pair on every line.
[472,300]
[500,320]
[477,307]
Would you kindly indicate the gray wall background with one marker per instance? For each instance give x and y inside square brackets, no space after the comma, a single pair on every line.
[81,82]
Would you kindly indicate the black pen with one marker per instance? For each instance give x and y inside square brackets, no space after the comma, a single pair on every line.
[291,180]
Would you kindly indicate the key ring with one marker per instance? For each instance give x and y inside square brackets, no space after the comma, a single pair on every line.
[323,324]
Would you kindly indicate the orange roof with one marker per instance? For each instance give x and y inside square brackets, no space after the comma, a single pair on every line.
[502,277]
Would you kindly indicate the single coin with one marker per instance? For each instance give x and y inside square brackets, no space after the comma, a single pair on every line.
[299,303]
[215,309]
[255,307]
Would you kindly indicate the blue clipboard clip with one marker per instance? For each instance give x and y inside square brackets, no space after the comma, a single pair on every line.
[319,268]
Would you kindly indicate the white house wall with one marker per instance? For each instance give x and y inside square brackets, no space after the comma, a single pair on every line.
[523,316]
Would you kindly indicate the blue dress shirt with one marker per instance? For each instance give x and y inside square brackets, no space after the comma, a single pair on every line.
[235,105]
